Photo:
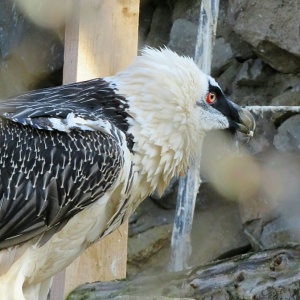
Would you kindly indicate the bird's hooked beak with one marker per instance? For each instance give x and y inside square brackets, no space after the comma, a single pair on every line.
[239,119]
[247,123]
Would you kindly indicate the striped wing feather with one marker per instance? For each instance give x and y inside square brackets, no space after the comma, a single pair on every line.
[88,99]
[47,176]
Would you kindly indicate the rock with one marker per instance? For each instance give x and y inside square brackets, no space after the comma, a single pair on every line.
[288,137]
[253,73]
[281,231]
[271,217]
[29,53]
[222,56]
[9,26]
[223,27]
[142,246]
[183,37]
[241,49]
[279,59]
[186,10]
[263,136]
[271,27]
[282,189]
[49,47]
[287,98]
[14,78]
[147,216]
[257,83]
[160,26]
[269,212]
[193,12]
[151,226]
[145,18]
[168,199]
[277,83]
[227,78]
[284,99]
[285,82]
[255,213]
[217,231]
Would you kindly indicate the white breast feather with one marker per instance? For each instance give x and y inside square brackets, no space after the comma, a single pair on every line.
[162,102]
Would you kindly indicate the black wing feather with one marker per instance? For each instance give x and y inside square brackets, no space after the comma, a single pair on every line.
[34,201]
[49,176]
[88,99]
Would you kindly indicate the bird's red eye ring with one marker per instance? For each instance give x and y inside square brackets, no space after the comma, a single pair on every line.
[211,98]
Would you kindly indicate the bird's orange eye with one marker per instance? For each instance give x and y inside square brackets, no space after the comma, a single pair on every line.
[211,98]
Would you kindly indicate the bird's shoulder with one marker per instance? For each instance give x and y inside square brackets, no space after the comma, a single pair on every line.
[83,105]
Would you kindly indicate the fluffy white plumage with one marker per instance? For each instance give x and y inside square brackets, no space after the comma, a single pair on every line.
[168,118]
[167,124]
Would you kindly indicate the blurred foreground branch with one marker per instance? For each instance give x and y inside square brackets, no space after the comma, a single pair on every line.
[272,274]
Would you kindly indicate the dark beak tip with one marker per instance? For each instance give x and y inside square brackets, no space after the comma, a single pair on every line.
[248,123]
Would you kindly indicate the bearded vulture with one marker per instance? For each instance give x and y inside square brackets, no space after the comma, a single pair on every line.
[76,160]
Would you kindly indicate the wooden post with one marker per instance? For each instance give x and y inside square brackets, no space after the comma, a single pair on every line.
[101,38]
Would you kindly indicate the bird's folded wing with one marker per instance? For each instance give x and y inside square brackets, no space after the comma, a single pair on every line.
[48,174]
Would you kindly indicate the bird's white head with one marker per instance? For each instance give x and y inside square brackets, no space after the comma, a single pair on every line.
[172,105]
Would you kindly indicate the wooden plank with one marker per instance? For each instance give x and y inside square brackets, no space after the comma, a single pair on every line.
[101,38]
[104,261]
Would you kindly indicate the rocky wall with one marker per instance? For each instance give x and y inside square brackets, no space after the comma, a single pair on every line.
[256,62]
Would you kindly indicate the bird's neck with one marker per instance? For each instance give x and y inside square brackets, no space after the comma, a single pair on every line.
[164,142]
[156,165]
[162,121]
